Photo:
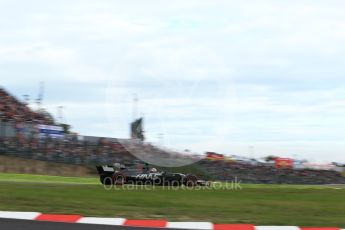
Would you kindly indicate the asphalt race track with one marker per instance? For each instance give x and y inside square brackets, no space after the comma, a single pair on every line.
[14,224]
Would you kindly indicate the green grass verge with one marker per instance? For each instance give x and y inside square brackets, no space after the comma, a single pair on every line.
[258,204]
[12,177]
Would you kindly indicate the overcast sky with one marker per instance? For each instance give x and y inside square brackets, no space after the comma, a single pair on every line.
[210,75]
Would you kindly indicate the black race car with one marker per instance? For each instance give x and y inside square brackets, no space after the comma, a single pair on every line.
[119,174]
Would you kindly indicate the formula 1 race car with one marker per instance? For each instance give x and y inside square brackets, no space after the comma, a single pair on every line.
[119,174]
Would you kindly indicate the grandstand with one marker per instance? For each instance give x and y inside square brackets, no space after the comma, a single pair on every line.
[13,110]
[34,135]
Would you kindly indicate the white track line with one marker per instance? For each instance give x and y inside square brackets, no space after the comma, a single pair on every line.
[276,228]
[190,225]
[99,220]
[19,215]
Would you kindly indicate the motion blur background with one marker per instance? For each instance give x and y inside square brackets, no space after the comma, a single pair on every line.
[34,142]
[251,91]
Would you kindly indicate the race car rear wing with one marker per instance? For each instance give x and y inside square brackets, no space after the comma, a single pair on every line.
[105,169]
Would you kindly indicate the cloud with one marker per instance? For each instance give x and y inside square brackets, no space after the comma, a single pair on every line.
[265,73]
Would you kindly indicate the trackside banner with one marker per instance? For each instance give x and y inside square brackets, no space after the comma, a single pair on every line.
[50,130]
[283,162]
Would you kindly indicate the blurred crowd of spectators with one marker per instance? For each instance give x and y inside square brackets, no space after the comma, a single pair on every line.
[66,150]
[268,174]
[73,151]
[12,109]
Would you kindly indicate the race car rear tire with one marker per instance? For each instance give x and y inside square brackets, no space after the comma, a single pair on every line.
[119,179]
[106,180]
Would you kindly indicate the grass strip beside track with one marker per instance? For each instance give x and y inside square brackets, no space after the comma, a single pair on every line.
[11,177]
[258,204]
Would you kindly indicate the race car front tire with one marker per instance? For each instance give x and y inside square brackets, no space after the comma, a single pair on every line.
[190,180]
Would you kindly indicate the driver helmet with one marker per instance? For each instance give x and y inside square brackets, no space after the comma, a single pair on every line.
[153,170]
